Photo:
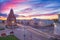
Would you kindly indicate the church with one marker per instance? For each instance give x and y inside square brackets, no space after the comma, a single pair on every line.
[11,19]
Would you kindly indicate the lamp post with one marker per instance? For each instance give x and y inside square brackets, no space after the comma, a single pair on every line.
[31,36]
[24,33]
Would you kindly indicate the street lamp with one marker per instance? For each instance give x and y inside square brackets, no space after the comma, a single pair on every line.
[31,35]
[24,33]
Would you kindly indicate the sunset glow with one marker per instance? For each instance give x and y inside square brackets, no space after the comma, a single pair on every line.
[28,8]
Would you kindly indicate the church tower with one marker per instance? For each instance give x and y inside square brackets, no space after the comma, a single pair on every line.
[11,19]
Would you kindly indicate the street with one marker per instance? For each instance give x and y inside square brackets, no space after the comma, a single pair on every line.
[28,33]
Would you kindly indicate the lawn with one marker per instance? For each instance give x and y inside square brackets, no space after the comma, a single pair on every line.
[2,29]
[10,37]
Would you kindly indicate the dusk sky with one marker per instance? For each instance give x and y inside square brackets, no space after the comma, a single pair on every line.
[29,7]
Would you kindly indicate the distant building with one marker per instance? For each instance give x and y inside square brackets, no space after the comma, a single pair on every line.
[36,20]
[44,23]
[11,19]
[59,17]
[31,22]
[0,21]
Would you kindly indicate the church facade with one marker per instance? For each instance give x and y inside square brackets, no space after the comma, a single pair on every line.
[11,19]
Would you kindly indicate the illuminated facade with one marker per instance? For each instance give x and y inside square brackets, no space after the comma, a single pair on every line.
[57,26]
[11,19]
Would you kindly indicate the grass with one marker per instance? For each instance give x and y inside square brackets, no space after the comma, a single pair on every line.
[10,37]
[2,29]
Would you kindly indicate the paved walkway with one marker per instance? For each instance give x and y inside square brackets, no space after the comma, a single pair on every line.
[28,33]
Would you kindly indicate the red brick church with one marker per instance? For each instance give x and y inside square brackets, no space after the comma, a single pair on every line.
[11,19]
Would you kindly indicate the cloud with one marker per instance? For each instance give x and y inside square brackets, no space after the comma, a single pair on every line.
[3,15]
[22,7]
[3,1]
[50,5]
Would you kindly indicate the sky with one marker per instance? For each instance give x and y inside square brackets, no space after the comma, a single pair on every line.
[29,7]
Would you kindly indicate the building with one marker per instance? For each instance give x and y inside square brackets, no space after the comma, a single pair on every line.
[45,23]
[11,19]
[59,17]
[57,26]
